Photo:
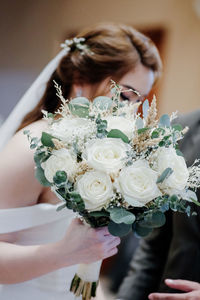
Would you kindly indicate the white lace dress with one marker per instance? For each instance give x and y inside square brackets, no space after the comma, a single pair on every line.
[38,224]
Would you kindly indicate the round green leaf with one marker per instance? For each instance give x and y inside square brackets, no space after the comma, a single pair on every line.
[141,231]
[46,139]
[156,219]
[60,177]
[155,134]
[39,174]
[119,229]
[177,127]
[142,130]
[121,215]
[179,153]
[164,121]
[79,106]
[102,102]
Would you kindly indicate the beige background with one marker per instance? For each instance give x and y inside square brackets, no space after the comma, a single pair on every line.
[32,30]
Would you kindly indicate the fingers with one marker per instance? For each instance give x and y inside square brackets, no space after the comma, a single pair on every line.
[76,221]
[162,296]
[103,230]
[111,252]
[183,285]
[114,242]
[110,246]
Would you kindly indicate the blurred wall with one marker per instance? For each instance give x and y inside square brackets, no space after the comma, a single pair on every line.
[32,30]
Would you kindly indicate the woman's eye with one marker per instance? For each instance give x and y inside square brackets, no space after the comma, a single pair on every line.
[124,97]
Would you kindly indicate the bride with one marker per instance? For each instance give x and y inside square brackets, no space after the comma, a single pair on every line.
[40,247]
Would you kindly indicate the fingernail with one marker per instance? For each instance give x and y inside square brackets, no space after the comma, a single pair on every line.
[169,281]
[150,297]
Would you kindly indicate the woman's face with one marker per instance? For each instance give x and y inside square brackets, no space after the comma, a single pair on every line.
[139,80]
[136,84]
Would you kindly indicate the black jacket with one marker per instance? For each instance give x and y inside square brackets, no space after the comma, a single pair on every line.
[172,251]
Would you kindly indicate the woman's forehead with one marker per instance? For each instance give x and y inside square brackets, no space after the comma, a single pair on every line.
[140,78]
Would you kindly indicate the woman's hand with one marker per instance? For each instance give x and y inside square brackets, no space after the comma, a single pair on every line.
[83,244]
[191,288]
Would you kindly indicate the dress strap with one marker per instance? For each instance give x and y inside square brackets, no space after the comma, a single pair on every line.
[15,219]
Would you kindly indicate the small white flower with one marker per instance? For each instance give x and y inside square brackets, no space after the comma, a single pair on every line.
[60,160]
[70,130]
[95,189]
[167,158]
[137,183]
[106,154]
[121,123]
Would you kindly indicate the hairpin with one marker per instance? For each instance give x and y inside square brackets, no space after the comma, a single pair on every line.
[76,43]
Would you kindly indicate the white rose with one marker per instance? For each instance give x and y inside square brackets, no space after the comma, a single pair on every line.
[137,183]
[69,129]
[95,189]
[106,154]
[60,160]
[121,123]
[167,158]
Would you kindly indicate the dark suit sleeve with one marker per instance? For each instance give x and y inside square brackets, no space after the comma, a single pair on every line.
[147,265]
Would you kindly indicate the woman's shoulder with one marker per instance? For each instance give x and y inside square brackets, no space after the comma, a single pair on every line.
[19,139]
[18,185]
[35,128]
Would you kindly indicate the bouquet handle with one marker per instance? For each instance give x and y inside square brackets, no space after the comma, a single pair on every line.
[86,280]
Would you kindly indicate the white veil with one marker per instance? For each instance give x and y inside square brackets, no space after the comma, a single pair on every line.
[28,101]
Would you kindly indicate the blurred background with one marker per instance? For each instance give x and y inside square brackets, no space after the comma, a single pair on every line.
[32,30]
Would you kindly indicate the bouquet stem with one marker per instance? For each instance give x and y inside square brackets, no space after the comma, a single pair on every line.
[85,282]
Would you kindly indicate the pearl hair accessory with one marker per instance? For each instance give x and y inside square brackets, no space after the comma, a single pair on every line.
[76,43]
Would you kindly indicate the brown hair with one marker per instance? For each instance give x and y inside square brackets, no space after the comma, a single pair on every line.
[115,49]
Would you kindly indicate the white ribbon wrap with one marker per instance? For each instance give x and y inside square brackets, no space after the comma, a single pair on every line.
[89,272]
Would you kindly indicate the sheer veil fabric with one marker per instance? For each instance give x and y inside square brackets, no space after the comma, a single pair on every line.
[28,101]
[40,223]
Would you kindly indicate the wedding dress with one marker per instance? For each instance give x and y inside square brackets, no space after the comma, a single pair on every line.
[35,225]
[40,223]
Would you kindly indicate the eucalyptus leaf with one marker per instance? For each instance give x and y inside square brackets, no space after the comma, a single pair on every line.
[191,197]
[116,133]
[79,106]
[39,157]
[165,174]
[46,139]
[26,132]
[139,123]
[164,121]
[173,198]
[75,196]
[119,229]
[161,144]
[145,108]
[39,174]
[103,102]
[188,211]
[155,134]
[121,215]
[61,207]
[179,153]
[101,213]
[141,231]
[154,220]
[60,177]
[142,130]
[177,127]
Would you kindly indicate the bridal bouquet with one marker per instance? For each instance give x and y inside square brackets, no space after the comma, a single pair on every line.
[115,167]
